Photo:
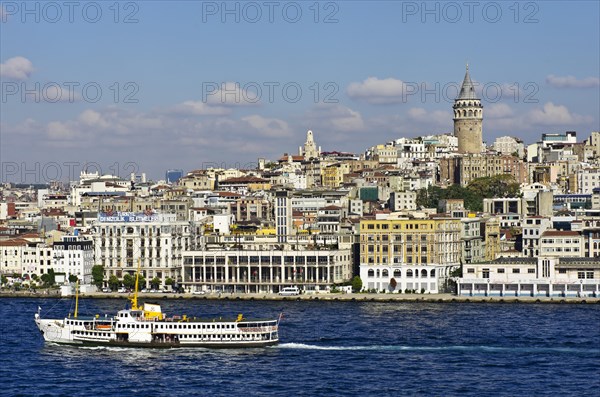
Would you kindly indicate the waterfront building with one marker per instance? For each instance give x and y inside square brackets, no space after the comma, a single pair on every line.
[408,254]
[543,276]
[265,270]
[11,255]
[74,255]
[156,241]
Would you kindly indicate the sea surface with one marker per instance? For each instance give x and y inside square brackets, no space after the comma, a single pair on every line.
[326,349]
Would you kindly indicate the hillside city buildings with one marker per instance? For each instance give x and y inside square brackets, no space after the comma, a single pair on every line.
[318,218]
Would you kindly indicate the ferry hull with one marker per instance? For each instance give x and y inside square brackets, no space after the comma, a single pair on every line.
[55,331]
[154,345]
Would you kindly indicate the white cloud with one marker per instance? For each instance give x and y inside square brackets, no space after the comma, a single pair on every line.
[552,114]
[91,118]
[16,68]
[56,93]
[378,91]
[497,110]
[572,82]
[268,127]
[336,118]
[59,131]
[433,118]
[234,94]
[198,108]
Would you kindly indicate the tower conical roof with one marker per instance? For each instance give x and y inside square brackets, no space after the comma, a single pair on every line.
[467,91]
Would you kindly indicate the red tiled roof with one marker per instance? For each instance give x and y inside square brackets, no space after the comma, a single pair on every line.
[294,158]
[228,194]
[14,242]
[560,233]
[244,179]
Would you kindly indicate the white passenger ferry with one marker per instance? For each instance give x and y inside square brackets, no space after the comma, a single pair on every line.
[148,326]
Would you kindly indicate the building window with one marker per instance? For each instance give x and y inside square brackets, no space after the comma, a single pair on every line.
[486,273]
[531,271]
[500,270]
[470,270]
[580,274]
[516,270]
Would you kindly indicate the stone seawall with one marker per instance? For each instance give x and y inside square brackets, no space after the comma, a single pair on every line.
[439,298]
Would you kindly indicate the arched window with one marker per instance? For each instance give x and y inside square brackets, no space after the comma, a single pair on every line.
[432,273]
[371,273]
[424,273]
[377,272]
[409,273]
[397,273]
[470,113]
[384,273]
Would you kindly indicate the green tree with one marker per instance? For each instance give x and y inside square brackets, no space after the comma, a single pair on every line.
[72,278]
[3,279]
[169,281]
[48,279]
[128,281]
[155,282]
[113,282]
[141,282]
[98,275]
[356,284]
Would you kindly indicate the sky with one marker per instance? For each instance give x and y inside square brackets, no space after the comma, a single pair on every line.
[124,86]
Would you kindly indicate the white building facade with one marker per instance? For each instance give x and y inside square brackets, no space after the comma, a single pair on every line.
[543,277]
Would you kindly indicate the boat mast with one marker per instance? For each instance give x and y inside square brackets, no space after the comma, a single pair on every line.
[134,305]
[76,298]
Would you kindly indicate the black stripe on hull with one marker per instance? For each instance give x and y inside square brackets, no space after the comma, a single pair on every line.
[158,345]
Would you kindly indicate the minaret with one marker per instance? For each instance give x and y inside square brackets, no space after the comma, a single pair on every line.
[468,118]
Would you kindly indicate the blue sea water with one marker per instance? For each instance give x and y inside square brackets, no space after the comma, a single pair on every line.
[326,349]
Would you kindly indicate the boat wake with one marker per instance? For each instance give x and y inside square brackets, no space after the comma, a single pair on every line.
[491,349]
